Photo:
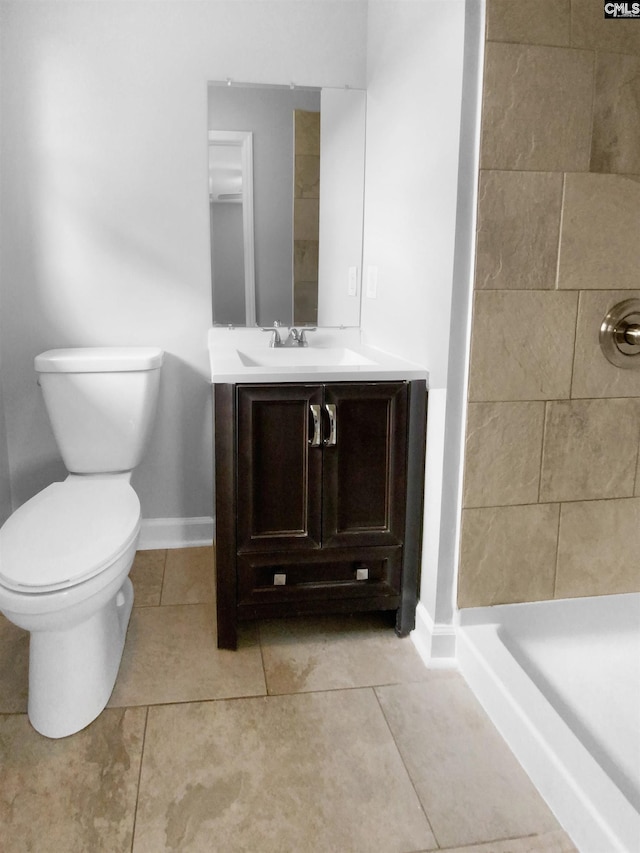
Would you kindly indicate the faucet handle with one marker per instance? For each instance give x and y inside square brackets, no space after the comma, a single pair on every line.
[303,340]
[276,340]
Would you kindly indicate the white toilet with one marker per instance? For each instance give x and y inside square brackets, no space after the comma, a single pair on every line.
[65,555]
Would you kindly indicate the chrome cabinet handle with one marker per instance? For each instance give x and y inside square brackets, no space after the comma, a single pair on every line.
[333,425]
[314,441]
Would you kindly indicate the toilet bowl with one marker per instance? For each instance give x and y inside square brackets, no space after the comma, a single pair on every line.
[65,555]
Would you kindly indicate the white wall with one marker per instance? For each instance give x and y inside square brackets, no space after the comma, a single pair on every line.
[342,175]
[5,480]
[414,84]
[415,54]
[104,203]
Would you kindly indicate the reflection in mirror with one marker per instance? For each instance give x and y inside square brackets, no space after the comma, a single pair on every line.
[231,223]
[302,251]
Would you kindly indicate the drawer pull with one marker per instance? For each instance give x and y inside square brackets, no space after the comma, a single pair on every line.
[279,579]
[333,427]
[314,441]
[362,574]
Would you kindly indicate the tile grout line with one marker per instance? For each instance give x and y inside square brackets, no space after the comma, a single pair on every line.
[209,700]
[164,574]
[264,668]
[406,769]
[135,809]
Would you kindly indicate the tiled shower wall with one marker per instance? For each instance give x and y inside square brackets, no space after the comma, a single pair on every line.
[306,216]
[551,505]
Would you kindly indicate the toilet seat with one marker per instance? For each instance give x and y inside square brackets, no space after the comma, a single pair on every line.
[68,533]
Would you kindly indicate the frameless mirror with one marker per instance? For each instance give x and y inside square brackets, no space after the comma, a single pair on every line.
[286,189]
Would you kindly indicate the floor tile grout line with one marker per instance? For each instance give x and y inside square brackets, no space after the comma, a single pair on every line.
[264,668]
[212,699]
[135,809]
[207,603]
[164,574]
[505,840]
[404,764]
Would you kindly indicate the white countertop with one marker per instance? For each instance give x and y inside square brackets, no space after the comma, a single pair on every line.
[239,355]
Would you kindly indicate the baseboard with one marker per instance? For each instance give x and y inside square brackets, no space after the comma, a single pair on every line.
[175,533]
[436,644]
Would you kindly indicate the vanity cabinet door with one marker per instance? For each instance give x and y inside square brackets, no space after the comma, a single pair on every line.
[364,464]
[279,467]
[319,500]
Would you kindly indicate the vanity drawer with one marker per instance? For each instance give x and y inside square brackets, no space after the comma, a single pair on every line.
[283,577]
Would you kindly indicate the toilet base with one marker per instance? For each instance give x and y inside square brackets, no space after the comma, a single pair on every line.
[72,672]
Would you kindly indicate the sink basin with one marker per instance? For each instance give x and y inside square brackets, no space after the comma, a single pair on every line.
[302,357]
[335,355]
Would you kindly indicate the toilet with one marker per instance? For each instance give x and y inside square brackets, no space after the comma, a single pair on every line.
[65,555]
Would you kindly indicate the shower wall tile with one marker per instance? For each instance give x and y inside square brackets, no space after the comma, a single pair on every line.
[522,345]
[593,374]
[507,554]
[305,260]
[305,303]
[518,230]
[599,249]
[589,29]
[306,219]
[503,448]
[307,176]
[590,449]
[616,119]
[558,212]
[307,132]
[598,548]
[533,22]
[537,108]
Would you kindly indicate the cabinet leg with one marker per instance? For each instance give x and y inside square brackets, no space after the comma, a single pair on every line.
[405,622]
[227,633]
[228,641]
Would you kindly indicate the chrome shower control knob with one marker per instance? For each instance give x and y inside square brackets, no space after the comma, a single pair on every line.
[620,334]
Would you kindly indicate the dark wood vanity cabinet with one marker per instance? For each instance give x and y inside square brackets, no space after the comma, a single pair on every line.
[318,500]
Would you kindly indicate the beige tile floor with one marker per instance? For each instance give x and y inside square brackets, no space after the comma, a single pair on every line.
[316,736]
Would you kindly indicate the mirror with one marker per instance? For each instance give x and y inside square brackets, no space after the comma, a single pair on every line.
[286,192]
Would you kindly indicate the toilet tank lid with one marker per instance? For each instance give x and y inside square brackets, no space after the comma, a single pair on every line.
[98,359]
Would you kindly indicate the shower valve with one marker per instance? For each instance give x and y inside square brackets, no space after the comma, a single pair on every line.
[620,334]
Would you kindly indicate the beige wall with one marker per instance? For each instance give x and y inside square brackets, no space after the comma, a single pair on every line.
[551,504]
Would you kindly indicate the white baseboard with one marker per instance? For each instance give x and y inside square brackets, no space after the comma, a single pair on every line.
[436,644]
[175,533]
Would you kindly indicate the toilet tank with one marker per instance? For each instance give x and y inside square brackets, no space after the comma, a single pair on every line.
[101,403]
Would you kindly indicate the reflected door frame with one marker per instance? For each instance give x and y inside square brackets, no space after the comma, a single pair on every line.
[243,139]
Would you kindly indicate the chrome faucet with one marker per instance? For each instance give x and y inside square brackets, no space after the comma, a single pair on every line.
[275,340]
[298,338]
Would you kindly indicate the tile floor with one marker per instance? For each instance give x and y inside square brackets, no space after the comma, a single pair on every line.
[317,735]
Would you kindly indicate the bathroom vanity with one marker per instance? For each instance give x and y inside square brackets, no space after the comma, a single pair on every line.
[319,464]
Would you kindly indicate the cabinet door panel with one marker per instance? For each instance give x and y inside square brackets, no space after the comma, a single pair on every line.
[279,473]
[364,472]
